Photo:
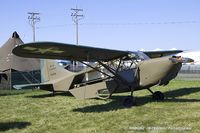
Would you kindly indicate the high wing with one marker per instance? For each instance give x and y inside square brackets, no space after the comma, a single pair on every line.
[156,54]
[54,50]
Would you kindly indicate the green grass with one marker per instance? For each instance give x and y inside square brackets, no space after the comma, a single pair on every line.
[37,111]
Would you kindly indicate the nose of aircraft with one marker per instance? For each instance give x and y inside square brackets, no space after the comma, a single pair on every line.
[160,70]
[173,68]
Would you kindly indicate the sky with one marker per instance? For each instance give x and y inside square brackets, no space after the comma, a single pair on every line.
[115,24]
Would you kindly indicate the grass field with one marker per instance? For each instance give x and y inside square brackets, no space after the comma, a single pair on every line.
[37,111]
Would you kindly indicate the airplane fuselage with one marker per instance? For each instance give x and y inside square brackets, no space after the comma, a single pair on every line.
[158,71]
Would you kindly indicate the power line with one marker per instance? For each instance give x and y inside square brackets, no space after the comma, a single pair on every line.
[141,23]
[123,24]
[33,19]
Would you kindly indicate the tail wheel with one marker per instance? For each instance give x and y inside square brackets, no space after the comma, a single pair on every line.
[103,94]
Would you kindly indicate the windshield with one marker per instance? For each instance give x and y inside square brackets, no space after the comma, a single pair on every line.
[139,56]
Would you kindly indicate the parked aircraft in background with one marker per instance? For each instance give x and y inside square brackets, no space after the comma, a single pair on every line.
[118,71]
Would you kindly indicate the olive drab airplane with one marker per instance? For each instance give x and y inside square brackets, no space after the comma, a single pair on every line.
[112,71]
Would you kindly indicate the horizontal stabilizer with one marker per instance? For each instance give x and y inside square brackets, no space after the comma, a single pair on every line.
[48,87]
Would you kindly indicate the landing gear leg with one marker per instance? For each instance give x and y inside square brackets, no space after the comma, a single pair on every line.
[53,93]
[129,101]
[158,96]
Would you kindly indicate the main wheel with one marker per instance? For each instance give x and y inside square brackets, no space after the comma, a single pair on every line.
[129,101]
[158,96]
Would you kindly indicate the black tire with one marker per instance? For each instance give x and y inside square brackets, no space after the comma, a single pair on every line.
[129,102]
[158,96]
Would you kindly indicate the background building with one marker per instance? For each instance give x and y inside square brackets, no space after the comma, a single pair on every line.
[189,72]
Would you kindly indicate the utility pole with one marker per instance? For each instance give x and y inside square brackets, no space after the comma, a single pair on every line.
[76,17]
[33,19]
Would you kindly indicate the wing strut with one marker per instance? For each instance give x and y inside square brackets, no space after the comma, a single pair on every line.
[116,76]
[95,69]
